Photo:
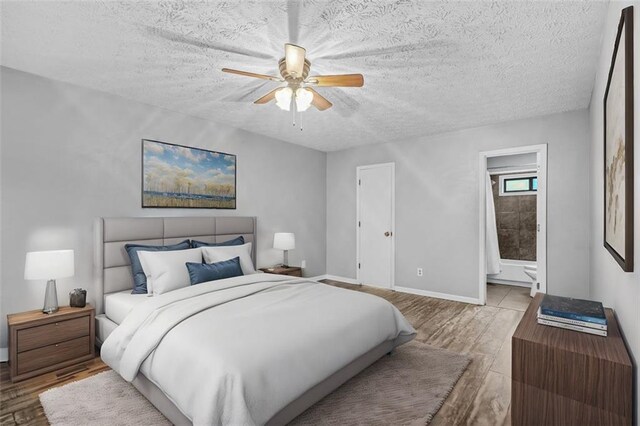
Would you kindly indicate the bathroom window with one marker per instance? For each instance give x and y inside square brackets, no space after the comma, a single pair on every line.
[522,184]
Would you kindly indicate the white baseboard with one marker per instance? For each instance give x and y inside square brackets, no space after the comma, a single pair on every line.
[4,354]
[436,295]
[342,279]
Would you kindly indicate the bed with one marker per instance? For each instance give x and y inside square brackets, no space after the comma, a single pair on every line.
[112,269]
[118,305]
[287,342]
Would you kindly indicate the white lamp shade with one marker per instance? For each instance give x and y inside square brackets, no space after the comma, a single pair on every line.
[48,265]
[303,99]
[284,241]
[283,98]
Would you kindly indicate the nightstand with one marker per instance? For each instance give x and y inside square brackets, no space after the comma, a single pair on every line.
[39,343]
[294,271]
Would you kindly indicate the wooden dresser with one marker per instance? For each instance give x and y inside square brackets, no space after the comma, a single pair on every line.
[39,343]
[563,377]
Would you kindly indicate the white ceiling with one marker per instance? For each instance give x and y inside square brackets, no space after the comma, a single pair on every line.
[429,67]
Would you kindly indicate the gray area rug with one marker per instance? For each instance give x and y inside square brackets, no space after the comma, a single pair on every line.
[103,399]
[408,387]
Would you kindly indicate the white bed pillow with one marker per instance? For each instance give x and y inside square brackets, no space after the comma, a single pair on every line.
[220,253]
[167,270]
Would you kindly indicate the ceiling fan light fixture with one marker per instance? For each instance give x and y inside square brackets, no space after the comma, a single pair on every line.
[294,59]
[296,93]
[283,98]
[303,99]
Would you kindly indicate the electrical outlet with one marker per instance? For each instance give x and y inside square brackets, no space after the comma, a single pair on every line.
[419,272]
[303,264]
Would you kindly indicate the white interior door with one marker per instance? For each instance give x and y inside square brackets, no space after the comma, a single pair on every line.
[376,190]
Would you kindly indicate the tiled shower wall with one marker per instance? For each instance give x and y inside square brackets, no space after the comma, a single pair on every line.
[516,222]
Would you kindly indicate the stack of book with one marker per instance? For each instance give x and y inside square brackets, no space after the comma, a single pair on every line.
[584,316]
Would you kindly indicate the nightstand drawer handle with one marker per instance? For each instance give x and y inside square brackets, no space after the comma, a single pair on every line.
[56,324]
[56,346]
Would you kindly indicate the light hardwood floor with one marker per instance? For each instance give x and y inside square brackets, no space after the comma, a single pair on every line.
[481,396]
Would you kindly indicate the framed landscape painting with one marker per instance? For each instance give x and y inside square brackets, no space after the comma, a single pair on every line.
[618,147]
[176,176]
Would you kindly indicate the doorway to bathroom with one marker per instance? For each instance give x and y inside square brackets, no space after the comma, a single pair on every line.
[513,218]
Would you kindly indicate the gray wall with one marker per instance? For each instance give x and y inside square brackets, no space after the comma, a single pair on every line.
[437,203]
[70,154]
[609,283]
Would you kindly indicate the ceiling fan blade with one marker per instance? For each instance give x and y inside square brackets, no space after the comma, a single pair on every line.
[344,80]
[251,74]
[268,97]
[319,101]
[294,59]
[180,38]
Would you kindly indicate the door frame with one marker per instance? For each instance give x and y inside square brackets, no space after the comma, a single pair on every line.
[393,219]
[541,214]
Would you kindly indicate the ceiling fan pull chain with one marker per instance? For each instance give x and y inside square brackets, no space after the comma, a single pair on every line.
[293,108]
[300,120]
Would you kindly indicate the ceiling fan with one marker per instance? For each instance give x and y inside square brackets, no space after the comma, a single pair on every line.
[297,93]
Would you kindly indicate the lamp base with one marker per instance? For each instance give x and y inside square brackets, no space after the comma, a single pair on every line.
[50,298]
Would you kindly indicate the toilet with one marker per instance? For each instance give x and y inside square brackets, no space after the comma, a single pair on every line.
[532,272]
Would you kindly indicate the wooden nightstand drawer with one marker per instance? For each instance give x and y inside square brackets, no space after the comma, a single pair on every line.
[54,354]
[55,332]
[39,343]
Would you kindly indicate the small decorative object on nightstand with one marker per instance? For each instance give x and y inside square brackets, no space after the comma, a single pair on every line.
[49,265]
[78,298]
[41,343]
[284,241]
[294,271]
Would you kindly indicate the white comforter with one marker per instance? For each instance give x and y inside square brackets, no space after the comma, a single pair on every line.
[237,351]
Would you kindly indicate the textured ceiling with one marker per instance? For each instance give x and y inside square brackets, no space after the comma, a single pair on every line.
[429,67]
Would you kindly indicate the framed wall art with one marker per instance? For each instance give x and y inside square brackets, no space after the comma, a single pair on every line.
[618,147]
[177,176]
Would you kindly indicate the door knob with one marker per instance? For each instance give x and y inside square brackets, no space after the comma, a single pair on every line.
[386,234]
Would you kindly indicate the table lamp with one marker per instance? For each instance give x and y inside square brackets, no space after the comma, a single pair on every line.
[49,265]
[284,241]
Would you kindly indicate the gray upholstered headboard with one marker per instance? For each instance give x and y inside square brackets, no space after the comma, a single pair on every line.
[112,270]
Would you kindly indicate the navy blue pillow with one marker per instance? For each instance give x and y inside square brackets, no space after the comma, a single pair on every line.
[139,278]
[238,241]
[203,272]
